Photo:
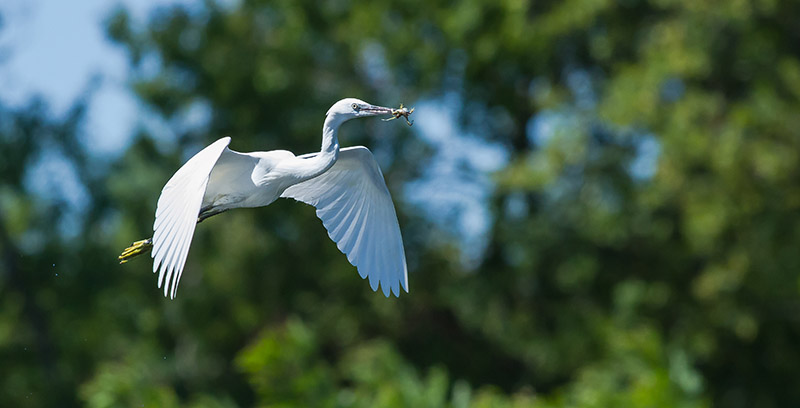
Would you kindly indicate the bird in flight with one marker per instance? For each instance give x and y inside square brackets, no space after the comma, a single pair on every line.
[345,186]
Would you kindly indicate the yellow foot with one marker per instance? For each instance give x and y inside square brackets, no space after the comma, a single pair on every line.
[137,248]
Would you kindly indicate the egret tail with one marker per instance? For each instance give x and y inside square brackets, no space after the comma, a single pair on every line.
[137,248]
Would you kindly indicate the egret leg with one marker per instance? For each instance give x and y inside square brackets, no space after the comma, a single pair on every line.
[145,245]
[137,248]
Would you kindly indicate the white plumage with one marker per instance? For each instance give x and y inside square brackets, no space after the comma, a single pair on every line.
[346,186]
[354,204]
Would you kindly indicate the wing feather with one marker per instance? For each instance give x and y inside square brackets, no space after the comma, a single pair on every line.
[356,208]
[176,215]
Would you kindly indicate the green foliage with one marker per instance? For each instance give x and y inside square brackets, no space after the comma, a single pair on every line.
[286,368]
[643,251]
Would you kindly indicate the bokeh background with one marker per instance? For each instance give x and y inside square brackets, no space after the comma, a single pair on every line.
[600,202]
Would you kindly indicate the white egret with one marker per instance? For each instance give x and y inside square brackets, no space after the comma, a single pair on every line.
[345,185]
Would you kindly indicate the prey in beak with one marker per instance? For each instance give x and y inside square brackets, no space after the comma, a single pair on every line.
[401,111]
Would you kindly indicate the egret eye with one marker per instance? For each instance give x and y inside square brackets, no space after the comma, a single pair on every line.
[355,107]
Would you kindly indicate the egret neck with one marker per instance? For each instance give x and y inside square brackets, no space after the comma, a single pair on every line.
[308,168]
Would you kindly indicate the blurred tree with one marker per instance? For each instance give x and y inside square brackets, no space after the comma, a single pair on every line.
[53,222]
[642,251]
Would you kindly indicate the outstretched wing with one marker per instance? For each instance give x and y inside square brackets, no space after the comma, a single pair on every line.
[356,208]
[176,214]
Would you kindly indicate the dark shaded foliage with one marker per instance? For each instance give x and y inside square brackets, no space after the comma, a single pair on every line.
[644,250]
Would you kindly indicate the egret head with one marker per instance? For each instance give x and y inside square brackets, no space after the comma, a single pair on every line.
[350,108]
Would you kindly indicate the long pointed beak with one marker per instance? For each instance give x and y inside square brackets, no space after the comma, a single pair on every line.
[373,110]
